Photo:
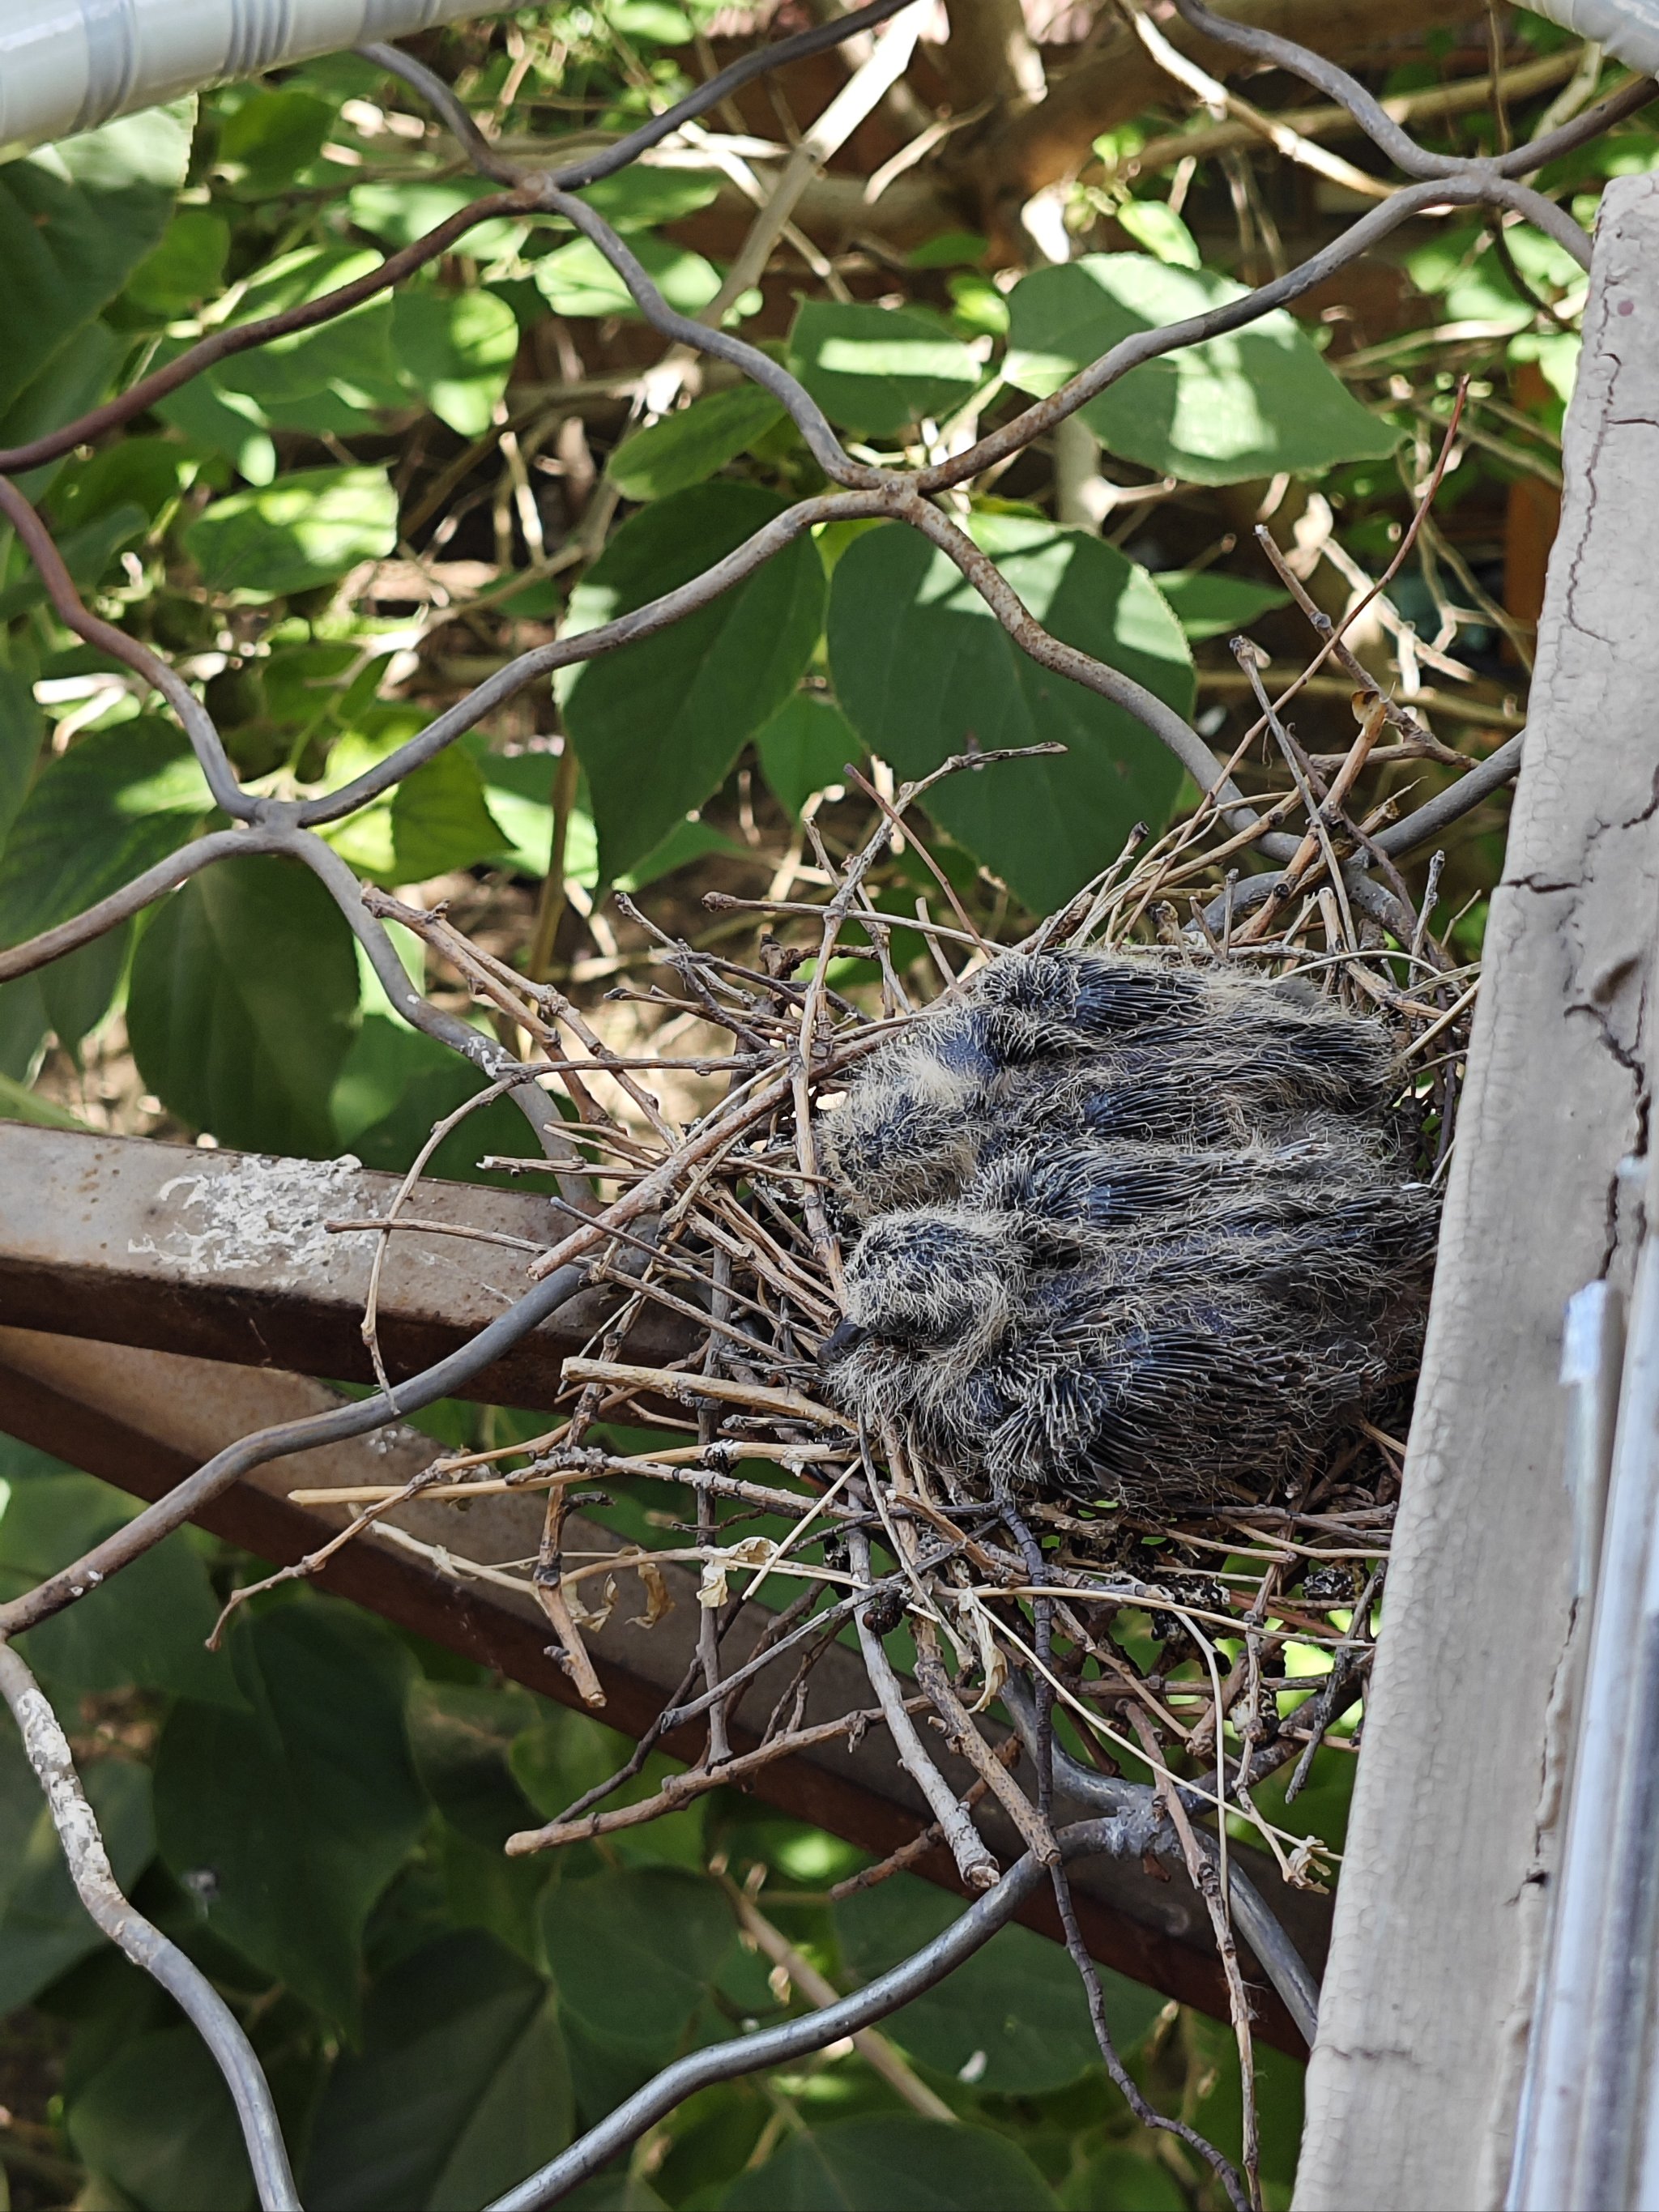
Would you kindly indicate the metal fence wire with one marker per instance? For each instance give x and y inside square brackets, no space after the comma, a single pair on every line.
[1126,1819]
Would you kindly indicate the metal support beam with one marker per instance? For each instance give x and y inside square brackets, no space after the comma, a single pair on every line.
[227,1256]
[144,1420]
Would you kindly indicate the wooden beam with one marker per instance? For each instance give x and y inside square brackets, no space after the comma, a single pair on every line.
[143,1419]
[1427,2000]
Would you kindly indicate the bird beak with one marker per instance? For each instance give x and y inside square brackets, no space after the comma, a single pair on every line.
[846,1336]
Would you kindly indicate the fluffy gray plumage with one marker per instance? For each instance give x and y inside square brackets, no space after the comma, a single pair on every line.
[1127,1229]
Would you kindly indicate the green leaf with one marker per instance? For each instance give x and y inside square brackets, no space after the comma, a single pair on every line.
[457,349]
[45,1930]
[399,213]
[685,842]
[119,800]
[1251,403]
[187,265]
[879,369]
[85,553]
[396,1084]
[22,725]
[459,1737]
[331,377]
[75,220]
[78,379]
[658,724]
[147,1625]
[923,670]
[78,988]
[158,2122]
[893,2164]
[805,748]
[683,449]
[1013,2018]
[1155,225]
[633,1953]
[308,529]
[460,2089]
[243,1005]
[577,279]
[146,473]
[322,1756]
[1208,605]
[272,136]
[1116,2180]
[435,820]
[642,199]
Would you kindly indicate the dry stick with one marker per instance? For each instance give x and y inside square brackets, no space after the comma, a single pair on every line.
[681,1788]
[686,1389]
[870,2043]
[47,1750]
[974,1863]
[1201,1869]
[929,1839]
[1216,96]
[1321,816]
[964,1737]
[548,1584]
[709,1642]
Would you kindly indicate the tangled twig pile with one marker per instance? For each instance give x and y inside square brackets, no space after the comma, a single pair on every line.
[1234,1258]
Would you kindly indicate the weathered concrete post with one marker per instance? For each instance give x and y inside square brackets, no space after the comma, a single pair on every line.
[1427,1998]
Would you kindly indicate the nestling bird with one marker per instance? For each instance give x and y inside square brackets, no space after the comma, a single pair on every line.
[1129,1229]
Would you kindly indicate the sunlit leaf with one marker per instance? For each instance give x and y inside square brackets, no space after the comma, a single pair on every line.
[1255,402]
[76,219]
[187,265]
[577,279]
[457,349]
[1208,605]
[307,529]
[878,369]
[117,802]
[688,447]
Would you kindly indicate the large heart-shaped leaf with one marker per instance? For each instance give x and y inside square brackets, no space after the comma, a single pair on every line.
[634,1954]
[460,2089]
[1014,2015]
[893,2163]
[75,220]
[878,369]
[119,801]
[1250,403]
[158,2122]
[244,1003]
[321,1751]
[924,670]
[577,279]
[658,724]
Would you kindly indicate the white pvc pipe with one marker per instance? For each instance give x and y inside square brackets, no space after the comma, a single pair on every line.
[1626,29]
[67,65]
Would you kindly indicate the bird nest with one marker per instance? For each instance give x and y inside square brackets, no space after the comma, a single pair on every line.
[1067,1320]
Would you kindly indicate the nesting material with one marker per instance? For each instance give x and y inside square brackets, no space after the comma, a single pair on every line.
[1128,1229]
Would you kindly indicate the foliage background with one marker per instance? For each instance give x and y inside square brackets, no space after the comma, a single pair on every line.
[339,533]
